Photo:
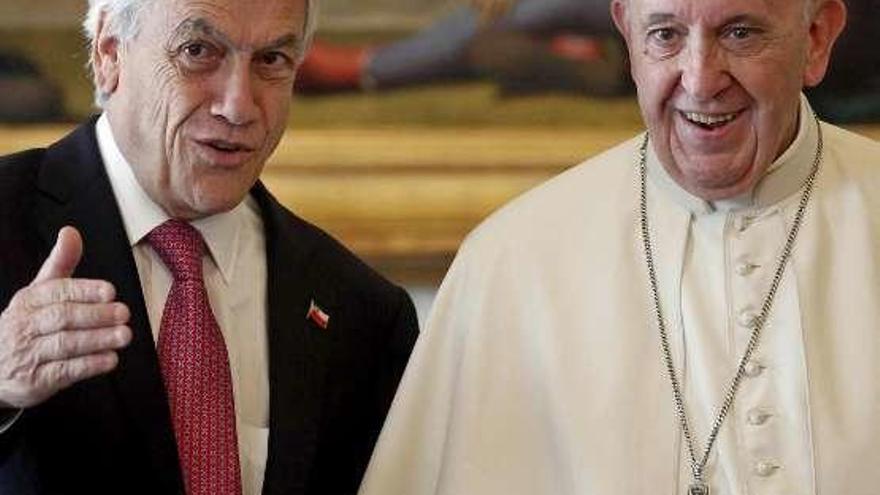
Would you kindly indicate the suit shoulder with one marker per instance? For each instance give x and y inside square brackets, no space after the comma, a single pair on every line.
[21,159]
[20,168]
[18,177]
[334,260]
[335,254]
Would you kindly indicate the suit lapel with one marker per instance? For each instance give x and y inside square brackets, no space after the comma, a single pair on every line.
[76,192]
[298,348]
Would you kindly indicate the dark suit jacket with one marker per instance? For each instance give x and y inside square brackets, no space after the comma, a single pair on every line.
[330,389]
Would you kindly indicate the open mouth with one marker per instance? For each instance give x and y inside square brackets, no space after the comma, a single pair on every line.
[710,121]
[226,146]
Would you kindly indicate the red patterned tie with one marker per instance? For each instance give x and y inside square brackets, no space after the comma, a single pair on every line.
[195,368]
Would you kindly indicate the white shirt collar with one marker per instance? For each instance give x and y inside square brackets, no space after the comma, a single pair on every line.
[785,176]
[140,214]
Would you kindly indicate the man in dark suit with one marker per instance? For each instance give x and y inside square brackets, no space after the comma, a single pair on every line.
[267,363]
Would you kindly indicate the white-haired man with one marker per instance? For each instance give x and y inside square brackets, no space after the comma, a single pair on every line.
[694,311]
[168,327]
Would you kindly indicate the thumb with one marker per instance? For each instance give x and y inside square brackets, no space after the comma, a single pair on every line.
[64,257]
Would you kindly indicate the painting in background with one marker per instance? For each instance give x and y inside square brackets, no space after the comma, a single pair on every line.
[469,63]
[467,74]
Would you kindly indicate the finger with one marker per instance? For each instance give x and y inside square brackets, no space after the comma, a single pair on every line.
[58,375]
[64,257]
[77,316]
[76,290]
[67,345]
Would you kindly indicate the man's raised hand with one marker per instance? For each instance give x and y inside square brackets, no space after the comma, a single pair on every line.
[59,330]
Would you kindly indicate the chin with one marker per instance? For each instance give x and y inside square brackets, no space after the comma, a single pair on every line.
[205,206]
[715,190]
[216,207]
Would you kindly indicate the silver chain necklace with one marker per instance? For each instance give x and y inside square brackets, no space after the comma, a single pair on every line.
[698,485]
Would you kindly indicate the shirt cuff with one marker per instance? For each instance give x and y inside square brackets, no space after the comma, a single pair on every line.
[8,417]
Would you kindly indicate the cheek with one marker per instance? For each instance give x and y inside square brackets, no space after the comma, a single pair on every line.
[154,80]
[183,110]
[656,81]
[278,106]
[654,99]
[775,95]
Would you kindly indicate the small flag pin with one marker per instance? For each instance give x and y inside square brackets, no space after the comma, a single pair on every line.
[317,315]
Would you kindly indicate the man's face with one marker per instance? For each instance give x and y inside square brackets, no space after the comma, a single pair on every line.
[199,98]
[719,83]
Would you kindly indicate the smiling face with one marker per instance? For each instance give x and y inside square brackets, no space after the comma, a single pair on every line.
[198,99]
[719,81]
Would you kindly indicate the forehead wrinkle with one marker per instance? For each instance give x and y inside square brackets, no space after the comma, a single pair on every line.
[292,41]
[200,25]
[748,18]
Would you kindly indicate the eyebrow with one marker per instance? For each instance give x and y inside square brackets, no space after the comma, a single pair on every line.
[286,41]
[204,27]
[659,18]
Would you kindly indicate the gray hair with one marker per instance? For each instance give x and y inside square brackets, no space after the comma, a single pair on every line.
[123,19]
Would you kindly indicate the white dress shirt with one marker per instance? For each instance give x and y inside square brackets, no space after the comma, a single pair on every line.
[235,278]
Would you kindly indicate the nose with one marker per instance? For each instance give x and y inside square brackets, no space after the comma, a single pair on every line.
[704,71]
[236,100]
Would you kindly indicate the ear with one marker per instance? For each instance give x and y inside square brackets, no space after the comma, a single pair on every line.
[619,15]
[827,24]
[106,57]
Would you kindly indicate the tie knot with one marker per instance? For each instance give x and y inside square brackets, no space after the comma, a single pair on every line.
[181,248]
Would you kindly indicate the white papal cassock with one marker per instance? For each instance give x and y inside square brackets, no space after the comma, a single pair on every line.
[540,370]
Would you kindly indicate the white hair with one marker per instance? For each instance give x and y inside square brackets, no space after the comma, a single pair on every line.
[123,21]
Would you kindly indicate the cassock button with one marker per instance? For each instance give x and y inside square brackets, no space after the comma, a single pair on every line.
[757,417]
[742,223]
[747,318]
[744,268]
[753,369]
[765,468]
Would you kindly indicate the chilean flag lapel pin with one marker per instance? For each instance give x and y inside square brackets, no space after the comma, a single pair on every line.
[317,315]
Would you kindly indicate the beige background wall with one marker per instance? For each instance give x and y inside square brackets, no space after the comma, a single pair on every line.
[40,13]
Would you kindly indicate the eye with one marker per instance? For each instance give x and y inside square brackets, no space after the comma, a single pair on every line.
[744,40]
[740,33]
[273,59]
[662,35]
[196,49]
[198,55]
[275,64]
[664,41]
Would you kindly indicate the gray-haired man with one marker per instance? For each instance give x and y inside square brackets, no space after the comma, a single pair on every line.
[186,333]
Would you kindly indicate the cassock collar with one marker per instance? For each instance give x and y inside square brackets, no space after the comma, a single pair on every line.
[140,214]
[783,178]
